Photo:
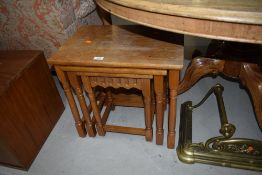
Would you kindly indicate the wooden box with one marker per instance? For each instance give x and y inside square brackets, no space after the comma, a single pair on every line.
[30,106]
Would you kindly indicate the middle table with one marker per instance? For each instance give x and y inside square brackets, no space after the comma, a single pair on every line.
[130,50]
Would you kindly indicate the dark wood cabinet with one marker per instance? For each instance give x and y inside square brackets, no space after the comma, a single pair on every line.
[30,106]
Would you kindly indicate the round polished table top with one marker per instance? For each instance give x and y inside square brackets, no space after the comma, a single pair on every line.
[232,20]
[238,11]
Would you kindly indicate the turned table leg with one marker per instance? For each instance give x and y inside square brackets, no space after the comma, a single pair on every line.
[78,122]
[173,85]
[158,86]
[88,88]
[146,91]
[76,84]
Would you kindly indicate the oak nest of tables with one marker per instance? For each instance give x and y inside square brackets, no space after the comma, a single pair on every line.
[125,52]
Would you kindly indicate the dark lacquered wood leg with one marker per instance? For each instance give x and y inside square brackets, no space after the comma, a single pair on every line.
[198,68]
[146,90]
[251,77]
[173,85]
[158,86]
[76,84]
[78,122]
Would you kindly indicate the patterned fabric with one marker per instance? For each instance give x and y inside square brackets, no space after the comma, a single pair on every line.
[86,7]
[42,24]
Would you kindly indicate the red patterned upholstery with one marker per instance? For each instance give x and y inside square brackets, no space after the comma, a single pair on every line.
[42,24]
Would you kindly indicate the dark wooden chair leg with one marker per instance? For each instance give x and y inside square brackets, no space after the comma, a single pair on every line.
[251,77]
[198,68]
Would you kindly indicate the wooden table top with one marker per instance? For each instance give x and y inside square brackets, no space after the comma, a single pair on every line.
[238,11]
[123,46]
[231,20]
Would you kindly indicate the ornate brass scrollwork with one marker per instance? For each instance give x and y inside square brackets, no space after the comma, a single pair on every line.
[220,150]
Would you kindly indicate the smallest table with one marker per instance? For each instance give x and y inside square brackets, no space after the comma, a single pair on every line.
[132,49]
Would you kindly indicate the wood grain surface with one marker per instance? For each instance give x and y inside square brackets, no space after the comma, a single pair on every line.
[233,20]
[119,47]
[131,57]
[30,106]
[238,11]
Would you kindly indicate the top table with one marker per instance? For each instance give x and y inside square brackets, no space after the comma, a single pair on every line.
[231,20]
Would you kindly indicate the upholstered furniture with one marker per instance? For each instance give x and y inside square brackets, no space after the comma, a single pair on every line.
[43,25]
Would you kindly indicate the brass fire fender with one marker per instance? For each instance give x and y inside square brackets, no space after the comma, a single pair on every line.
[221,150]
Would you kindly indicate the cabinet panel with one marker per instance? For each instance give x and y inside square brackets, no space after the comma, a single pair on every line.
[30,106]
